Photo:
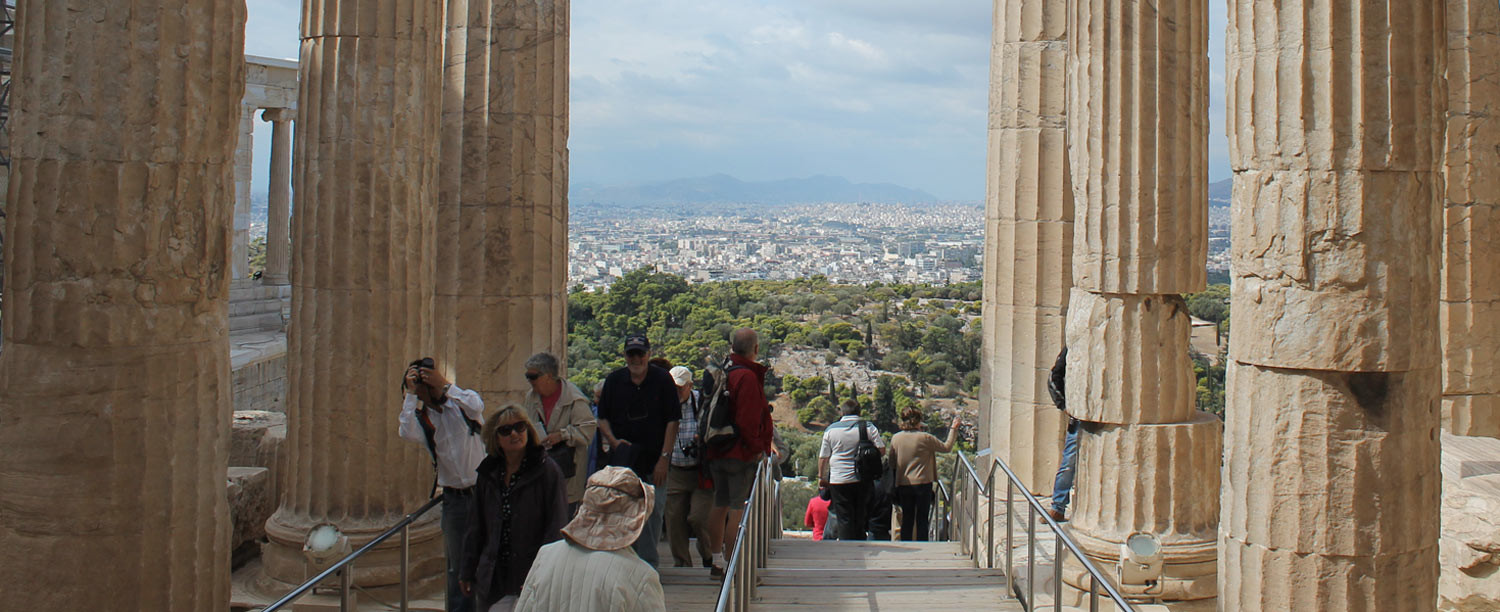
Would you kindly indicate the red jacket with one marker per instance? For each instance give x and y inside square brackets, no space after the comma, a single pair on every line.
[752,414]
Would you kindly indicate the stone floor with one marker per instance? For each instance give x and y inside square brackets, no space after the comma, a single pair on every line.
[249,347]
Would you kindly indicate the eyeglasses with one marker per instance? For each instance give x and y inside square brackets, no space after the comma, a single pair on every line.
[533,375]
[505,430]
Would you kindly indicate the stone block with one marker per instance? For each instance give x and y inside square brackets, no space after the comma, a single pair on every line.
[1128,359]
[1471,340]
[1469,547]
[1335,270]
[1029,438]
[514,329]
[1472,415]
[1161,479]
[1027,263]
[1471,246]
[1021,344]
[1331,463]
[1255,578]
[251,501]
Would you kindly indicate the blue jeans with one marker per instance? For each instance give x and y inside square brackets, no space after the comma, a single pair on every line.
[455,524]
[1062,487]
[645,546]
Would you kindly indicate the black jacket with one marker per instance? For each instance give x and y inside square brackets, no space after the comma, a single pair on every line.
[539,510]
[1056,386]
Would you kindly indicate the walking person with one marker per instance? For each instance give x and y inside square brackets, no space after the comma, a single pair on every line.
[688,502]
[567,422]
[914,456]
[520,504]
[850,495]
[591,569]
[816,516]
[733,468]
[638,414]
[445,418]
[1062,485]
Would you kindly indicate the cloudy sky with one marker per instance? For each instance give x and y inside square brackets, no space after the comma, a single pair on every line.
[872,90]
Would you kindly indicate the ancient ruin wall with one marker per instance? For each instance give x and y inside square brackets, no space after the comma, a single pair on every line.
[114,382]
[503,206]
[1331,453]
[1028,236]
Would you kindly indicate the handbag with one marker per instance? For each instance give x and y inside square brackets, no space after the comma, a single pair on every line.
[562,455]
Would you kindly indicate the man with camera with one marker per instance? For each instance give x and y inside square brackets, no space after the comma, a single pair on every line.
[688,501]
[445,419]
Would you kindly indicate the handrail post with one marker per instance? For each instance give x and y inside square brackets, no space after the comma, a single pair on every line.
[344,582]
[1057,562]
[989,524]
[1030,557]
[974,522]
[405,567]
[1010,537]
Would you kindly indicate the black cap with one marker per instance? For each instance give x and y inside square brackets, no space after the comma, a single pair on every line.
[637,342]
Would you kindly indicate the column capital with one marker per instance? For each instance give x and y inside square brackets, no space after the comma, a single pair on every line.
[278,115]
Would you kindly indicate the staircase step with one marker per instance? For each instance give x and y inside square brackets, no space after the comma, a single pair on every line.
[266,321]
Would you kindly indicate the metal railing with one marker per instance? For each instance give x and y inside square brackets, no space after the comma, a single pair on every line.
[752,549]
[968,487]
[345,567]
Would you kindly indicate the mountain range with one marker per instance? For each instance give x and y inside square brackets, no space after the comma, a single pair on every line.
[725,189]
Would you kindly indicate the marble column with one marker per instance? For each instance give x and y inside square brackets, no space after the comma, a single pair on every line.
[244,170]
[1029,236]
[278,204]
[365,179]
[1470,305]
[1331,483]
[1148,460]
[114,382]
[503,206]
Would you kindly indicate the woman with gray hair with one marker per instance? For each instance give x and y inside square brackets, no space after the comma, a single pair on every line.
[567,424]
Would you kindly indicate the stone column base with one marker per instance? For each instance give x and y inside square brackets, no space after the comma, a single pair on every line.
[284,562]
[1187,575]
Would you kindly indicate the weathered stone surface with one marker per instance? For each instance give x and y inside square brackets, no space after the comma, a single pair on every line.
[503,204]
[1128,359]
[1349,472]
[1254,577]
[251,502]
[1139,109]
[1160,479]
[366,183]
[1022,434]
[1469,548]
[253,439]
[1471,237]
[114,381]
[1334,270]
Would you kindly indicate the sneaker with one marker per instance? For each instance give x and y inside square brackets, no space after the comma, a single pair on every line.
[707,562]
[715,572]
[1056,515]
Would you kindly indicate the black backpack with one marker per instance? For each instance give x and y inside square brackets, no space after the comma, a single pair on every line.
[867,464]
[716,428]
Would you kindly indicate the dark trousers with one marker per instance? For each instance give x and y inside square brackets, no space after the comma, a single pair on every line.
[455,522]
[916,508]
[850,502]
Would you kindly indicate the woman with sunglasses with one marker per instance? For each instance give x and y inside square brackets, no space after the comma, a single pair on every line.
[520,504]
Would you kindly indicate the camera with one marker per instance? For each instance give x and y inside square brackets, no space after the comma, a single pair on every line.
[425,362]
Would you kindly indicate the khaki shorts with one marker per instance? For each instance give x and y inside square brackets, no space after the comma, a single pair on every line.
[732,480]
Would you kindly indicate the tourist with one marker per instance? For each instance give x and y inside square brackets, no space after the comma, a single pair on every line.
[1062,485]
[566,421]
[733,468]
[849,494]
[688,501]
[816,516]
[596,447]
[914,457]
[638,414]
[445,418]
[520,504]
[590,570]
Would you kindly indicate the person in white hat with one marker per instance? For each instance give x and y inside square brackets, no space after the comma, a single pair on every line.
[593,569]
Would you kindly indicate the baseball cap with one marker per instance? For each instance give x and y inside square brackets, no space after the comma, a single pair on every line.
[682,376]
[637,342]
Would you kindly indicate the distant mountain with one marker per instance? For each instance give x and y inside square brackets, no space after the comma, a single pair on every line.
[1218,193]
[725,189]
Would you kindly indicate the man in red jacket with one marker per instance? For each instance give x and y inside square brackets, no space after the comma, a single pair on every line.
[733,468]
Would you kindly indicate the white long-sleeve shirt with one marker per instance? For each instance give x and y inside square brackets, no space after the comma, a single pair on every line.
[458,451]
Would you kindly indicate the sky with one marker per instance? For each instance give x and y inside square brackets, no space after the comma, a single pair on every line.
[872,90]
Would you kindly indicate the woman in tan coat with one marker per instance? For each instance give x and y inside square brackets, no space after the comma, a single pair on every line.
[562,413]
[913,454]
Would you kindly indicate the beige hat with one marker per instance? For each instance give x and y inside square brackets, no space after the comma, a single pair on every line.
[615,507]
[682,376]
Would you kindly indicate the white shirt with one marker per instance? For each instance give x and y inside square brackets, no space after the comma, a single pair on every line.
[840,441]
[458,451]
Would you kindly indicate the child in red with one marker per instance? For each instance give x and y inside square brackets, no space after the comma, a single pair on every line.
[817,513]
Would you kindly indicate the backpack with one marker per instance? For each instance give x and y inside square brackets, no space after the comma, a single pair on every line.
[716,428]
[867,464]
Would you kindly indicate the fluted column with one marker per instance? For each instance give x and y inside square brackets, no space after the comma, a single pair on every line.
[365,182]
[114,382]
[1138,109]
[503,207]
[244,171]
[1331,445]
[278,202]
[1028,236]
[1470,308]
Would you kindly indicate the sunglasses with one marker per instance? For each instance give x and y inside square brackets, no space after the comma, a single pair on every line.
[533,375]
[505,430]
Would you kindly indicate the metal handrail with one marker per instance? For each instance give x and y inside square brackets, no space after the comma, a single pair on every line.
[345,566]
[986,487]
[752,547]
